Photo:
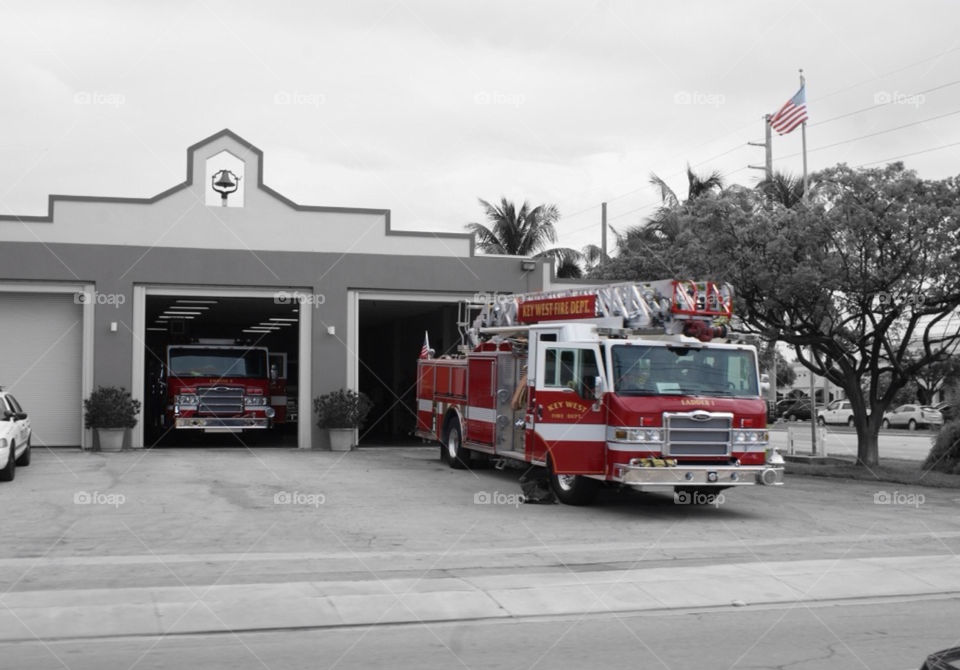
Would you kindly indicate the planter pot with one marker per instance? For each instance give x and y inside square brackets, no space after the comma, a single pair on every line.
[111,439]
[341,439]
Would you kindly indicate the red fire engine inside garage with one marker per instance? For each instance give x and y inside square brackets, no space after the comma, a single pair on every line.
[219,368]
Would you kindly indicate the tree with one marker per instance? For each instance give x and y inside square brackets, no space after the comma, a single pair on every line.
[783,189]
[861,281]
[785,373]
[525,232]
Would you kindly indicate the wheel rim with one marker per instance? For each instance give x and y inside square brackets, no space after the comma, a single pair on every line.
[453,444]
[850,422]
[912,425]
[566,482]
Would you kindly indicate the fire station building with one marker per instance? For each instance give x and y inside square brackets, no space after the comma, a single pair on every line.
[93,293]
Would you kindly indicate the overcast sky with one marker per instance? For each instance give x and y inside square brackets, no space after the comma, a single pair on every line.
[422,107]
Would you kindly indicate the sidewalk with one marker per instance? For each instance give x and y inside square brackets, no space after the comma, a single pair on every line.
[59,614]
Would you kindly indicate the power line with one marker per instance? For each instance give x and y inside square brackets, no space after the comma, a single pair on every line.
[912,153]
[887,74]
[879,132]
[818,123]
[883,104]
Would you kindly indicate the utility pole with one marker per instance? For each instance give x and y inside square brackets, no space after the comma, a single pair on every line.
[603,230]
[768,149]
[768,173]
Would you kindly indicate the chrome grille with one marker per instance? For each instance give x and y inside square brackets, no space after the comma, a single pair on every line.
[697,433]
[220,400]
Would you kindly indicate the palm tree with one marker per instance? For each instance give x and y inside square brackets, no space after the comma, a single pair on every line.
[525,232]
[783,188]
[661,228]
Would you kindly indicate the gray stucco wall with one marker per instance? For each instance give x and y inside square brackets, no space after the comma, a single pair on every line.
[116,269]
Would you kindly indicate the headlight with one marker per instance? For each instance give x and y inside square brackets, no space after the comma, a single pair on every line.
[255,400]
[644,435]
[750,436]
[187,399]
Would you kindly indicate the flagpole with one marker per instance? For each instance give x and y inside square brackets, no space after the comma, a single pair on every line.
[806,190]
[803,131]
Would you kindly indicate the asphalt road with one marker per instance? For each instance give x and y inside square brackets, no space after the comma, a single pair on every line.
[879,635]
[78,521]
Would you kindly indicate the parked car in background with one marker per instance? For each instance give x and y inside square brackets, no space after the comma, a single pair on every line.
[913,416]
[839,411]
[949,411]
[14,436]
[798,410]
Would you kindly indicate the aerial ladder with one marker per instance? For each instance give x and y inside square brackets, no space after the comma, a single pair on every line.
[700,309]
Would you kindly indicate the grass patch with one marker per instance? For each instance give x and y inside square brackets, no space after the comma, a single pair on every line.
[892,470]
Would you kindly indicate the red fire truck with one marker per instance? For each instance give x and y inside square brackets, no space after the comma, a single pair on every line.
[637,384]
[217,387]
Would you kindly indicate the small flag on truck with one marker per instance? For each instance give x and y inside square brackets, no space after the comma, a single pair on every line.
[425,349]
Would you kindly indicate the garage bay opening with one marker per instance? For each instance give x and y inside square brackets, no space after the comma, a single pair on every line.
[391,335]
[220,371]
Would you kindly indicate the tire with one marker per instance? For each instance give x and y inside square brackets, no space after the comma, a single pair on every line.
[10,469]
[885,424]
[850,423]
[24,459]
[458,458]
[912,425]
[791,417]
[573,489]
[821,421]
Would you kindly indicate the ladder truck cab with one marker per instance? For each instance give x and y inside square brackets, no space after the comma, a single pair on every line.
[637,384]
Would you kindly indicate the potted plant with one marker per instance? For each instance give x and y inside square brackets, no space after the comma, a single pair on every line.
[110,410]
[341,412]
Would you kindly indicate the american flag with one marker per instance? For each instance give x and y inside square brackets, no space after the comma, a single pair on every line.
[792,114]
[425,349]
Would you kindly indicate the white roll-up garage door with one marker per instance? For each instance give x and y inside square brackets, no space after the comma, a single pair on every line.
[41,337]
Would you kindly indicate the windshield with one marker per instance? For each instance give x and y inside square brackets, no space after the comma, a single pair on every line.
[218,362]
[660,369]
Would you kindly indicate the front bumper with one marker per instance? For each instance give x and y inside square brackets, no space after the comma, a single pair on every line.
[214,423]
[698,475]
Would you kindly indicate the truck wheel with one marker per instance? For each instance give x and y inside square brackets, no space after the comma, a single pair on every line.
[24,459]
[573,489]
[457,456]
[10,469]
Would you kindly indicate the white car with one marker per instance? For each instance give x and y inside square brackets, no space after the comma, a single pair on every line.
[14,436]
[912,416]
[839,411]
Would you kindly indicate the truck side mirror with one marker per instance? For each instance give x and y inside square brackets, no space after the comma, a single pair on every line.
[598,387]
[274,373]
